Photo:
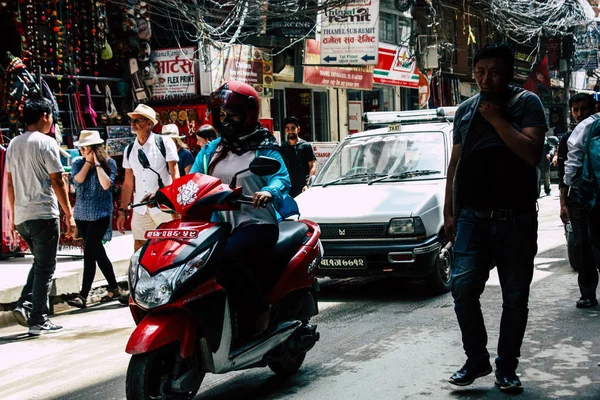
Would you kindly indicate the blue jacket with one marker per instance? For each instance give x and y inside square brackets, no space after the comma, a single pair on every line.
[277,184]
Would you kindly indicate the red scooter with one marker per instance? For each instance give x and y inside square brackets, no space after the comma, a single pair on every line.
[185,326]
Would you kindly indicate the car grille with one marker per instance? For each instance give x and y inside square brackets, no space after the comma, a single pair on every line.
[352,231]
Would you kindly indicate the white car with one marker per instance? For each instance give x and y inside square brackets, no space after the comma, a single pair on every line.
[379,199]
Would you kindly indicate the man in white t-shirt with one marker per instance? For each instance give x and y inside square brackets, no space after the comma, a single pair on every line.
[36,188]
[144,180]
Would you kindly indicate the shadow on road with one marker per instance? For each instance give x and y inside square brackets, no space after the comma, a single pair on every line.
[17,337]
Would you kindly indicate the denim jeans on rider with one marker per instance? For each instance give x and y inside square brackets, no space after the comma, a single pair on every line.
[41,235]
[246,268]
[512,244]
[587,265]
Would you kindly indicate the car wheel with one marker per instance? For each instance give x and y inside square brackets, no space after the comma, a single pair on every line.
[440,280]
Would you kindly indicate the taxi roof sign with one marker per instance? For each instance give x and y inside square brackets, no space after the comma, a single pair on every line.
[439,114]
[394,128]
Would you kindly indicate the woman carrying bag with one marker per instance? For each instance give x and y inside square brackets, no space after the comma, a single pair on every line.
[93,176]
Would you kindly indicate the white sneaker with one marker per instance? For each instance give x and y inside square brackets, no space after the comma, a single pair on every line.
[44,329]
[21,315]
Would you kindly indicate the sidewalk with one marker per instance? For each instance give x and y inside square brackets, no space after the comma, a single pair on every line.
[69,271]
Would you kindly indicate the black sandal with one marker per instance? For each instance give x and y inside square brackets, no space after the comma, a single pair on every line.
[111,296]
[77,301]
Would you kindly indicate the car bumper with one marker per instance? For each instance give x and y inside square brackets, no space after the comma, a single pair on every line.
[414,259]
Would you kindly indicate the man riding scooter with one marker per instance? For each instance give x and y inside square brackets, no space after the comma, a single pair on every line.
[235,108]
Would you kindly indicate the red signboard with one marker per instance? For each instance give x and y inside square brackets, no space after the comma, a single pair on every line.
[338,77]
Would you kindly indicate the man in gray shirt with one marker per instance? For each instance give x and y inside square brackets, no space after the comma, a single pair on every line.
[35,183]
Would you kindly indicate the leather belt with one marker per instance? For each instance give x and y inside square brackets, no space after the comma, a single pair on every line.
[503,214]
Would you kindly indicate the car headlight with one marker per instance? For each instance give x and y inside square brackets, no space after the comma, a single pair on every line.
[406,227]
[155,291]
[133,269]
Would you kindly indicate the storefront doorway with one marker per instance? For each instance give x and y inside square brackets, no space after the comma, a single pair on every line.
[310,106]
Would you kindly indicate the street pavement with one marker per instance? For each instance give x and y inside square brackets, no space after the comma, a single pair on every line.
[380,339]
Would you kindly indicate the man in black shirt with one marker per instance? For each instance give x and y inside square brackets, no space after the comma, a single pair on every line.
[490,211]
[578,241]
[299,157]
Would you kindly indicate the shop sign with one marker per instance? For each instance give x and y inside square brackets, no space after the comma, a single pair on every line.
[395,67]
[248,64]
[323,151]
[298,23]
[350,33]
[337,77]
[176,71]
[355,111]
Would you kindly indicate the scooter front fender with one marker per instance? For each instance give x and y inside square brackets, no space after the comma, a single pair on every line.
[158,330]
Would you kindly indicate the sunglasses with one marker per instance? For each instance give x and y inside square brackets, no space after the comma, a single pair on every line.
[136,121]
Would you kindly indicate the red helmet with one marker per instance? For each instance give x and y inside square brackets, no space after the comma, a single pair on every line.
[236,97]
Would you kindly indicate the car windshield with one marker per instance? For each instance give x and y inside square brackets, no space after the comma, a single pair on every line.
[393,155]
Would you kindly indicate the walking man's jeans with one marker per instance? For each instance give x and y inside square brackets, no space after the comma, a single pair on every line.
[41,235]
[512,244]
[587,265]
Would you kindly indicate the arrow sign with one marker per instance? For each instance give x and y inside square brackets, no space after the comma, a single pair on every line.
[329,59]
[367,58]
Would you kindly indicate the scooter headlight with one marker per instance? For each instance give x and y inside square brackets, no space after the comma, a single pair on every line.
[155,291]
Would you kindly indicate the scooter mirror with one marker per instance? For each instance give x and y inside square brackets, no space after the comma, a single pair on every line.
[143,159]
[263,166]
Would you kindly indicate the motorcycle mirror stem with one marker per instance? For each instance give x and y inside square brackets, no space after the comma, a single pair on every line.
[233,183]
[146,164]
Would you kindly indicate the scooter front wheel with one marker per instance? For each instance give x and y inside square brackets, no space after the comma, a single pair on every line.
[149,376]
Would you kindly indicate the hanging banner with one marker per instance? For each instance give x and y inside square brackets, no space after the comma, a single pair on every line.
[395,67]
[248,64]
[350,34]
[585,54]
[337,77]
[176,71]
[424,90]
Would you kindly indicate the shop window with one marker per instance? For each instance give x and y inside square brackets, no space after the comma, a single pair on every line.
[278,111]
[388,28]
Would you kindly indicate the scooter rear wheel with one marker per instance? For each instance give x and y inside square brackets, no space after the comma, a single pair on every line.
[287,365]
[149,376]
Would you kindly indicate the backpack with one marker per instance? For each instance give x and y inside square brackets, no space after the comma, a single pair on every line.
[158,140]
[589,190]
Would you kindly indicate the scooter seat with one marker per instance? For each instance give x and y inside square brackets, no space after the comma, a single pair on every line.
[291,235]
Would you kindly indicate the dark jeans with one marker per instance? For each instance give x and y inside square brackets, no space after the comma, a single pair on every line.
[92,233]
[512,244]
[587,266]
[543,178]
[41,236]
[245,267]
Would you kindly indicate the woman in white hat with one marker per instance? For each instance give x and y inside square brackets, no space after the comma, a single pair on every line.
[93,176]
[186,158]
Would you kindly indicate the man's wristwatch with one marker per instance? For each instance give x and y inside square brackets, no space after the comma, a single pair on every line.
[123,210]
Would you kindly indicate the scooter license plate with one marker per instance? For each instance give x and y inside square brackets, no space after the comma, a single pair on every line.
[343,263]
[171,234]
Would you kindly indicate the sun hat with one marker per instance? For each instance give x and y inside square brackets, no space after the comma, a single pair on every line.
[144,111]
[171,130]
[88,138]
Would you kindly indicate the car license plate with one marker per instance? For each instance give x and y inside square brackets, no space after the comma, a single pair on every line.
[343,263]
[171,234]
